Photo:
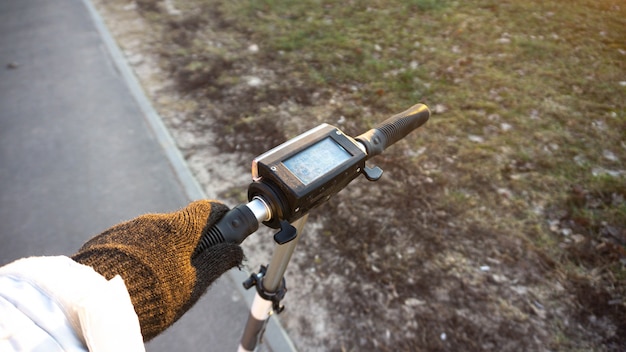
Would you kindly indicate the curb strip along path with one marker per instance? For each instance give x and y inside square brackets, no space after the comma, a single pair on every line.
[275,336]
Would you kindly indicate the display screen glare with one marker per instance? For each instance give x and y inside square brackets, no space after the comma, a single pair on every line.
[316,160]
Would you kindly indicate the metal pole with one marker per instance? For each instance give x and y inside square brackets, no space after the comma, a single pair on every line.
[261,308]
[280,259]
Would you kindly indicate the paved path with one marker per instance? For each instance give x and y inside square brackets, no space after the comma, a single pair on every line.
[81,149]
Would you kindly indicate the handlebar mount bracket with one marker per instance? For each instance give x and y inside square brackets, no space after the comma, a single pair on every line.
[256,279]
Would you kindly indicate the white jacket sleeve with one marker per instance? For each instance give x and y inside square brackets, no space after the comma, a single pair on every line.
[56,304]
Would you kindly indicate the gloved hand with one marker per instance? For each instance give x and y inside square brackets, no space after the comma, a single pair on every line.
[152,253]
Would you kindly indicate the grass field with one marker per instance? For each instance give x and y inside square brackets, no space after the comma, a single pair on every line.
[522,167]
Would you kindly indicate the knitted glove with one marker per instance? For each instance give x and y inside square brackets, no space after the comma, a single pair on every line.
[152,253]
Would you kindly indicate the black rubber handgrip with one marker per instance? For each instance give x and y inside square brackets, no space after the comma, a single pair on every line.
[394,129]
[237,224]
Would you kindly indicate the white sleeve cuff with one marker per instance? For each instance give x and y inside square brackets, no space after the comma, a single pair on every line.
[100,311]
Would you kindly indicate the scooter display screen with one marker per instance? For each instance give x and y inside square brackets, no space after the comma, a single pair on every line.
[317,160]
[305,171]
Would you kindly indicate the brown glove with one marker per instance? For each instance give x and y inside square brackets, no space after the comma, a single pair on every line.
[152,253]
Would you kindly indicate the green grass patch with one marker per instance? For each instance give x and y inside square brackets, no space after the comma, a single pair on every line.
[529,100]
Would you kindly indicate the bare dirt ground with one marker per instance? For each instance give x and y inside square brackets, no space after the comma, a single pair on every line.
[378,269]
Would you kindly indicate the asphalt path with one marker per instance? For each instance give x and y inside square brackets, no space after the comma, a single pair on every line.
[81,149]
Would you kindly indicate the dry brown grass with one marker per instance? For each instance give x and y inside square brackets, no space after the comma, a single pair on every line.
[521,169]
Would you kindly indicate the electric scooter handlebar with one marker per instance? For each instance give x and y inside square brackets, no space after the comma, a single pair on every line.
[304,172]
[393,129]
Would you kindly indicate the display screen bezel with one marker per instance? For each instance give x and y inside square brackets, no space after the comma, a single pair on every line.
[269,165]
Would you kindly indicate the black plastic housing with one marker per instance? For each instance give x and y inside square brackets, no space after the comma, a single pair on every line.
[275,181]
